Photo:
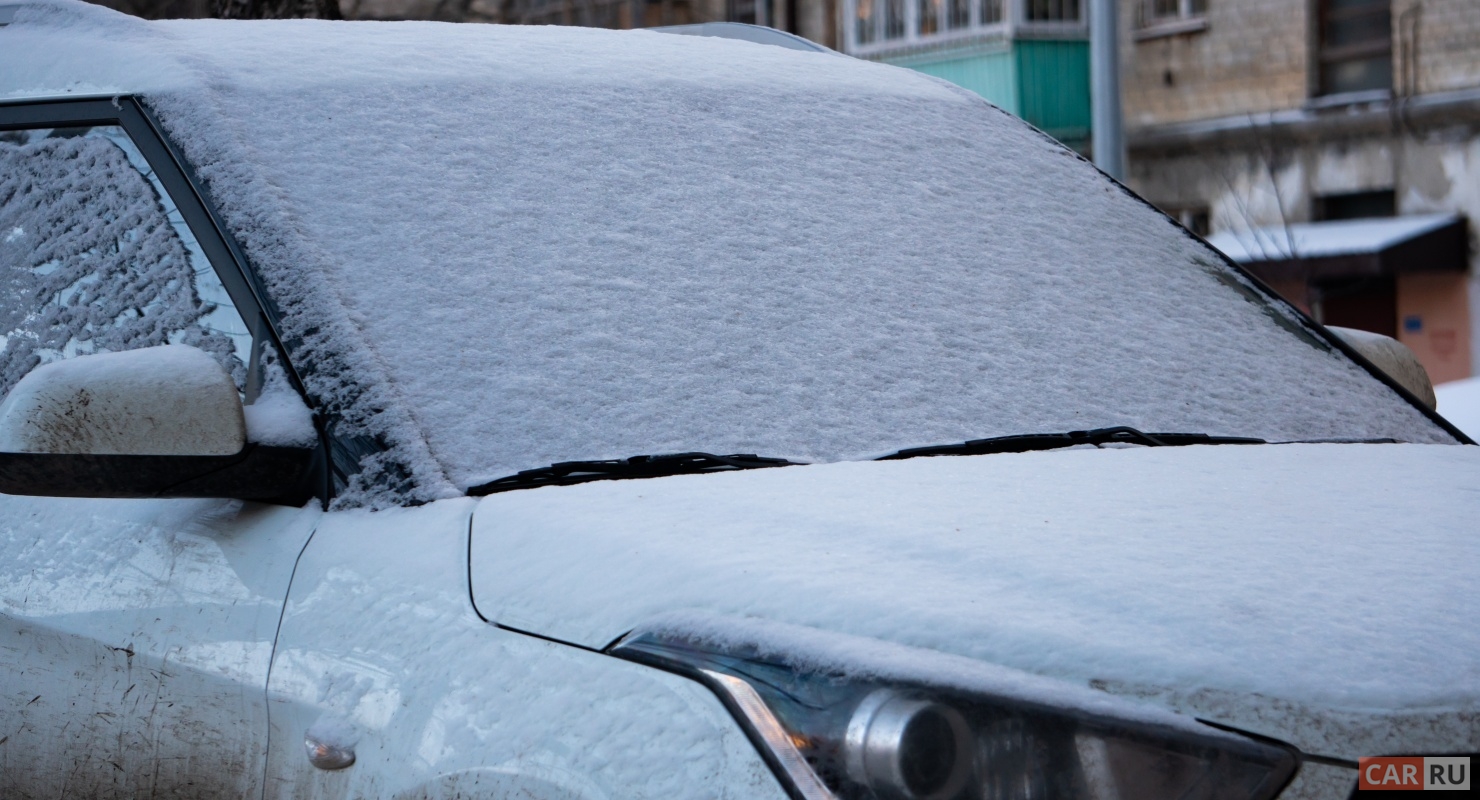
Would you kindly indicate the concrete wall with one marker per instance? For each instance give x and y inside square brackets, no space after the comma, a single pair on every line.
[1274,181]
[1248,72]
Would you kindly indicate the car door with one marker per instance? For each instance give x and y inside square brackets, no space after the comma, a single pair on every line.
[135,634]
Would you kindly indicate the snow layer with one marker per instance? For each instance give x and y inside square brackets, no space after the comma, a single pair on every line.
[1322,239]
[1459,402]
[280,418]
[502,247]
[1276,583]
[810,650]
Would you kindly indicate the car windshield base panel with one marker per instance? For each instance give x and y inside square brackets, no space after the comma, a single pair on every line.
[567,473]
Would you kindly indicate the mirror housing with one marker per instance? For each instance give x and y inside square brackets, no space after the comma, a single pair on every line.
[1394,358]
[159,401]
[155,422]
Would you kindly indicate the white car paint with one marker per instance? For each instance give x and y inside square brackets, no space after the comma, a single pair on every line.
[380,647]
[136,641]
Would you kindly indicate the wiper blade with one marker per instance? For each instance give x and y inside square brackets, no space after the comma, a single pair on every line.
[1023,443]
[567,473]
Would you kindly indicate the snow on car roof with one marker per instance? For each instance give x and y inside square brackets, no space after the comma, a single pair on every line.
[501,247]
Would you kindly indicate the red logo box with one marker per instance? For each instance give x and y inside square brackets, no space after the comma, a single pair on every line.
[1409,773]
[1390,774]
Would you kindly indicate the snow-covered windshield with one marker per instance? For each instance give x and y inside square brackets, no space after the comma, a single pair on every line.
[498,248]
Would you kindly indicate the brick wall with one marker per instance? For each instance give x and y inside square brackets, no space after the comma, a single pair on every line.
[1447,41]
[1251,57]
[1255,55]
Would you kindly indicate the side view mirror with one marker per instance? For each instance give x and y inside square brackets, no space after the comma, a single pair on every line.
[1394,358]
[156,422]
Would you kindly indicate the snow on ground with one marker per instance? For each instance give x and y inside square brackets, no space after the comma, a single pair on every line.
[505,246]
[1459,402]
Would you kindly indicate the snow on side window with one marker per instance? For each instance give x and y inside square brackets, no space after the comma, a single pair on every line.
[94,257]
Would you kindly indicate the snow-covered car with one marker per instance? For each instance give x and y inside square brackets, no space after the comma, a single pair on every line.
[421,410]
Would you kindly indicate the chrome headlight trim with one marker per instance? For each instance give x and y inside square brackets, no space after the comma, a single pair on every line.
[828,736]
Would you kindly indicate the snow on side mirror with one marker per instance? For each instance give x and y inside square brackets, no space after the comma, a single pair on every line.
[1394,358]
[159,401]
[156,422]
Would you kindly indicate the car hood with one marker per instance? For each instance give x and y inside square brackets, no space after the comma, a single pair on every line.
[1322,594]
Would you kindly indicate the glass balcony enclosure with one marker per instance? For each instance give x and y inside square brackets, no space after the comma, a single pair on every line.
[887,26]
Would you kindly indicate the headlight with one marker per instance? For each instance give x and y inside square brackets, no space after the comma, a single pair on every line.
[830,735]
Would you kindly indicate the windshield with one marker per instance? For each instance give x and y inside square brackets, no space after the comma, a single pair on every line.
[557,244]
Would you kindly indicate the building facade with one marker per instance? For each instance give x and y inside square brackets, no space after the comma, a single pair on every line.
[810,19]
[1332,146]
[1030,57]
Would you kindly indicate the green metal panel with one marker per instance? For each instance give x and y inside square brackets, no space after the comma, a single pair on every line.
[1053,87]
[990,73]
[1044,81]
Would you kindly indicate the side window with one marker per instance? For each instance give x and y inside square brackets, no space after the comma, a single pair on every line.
[94,257]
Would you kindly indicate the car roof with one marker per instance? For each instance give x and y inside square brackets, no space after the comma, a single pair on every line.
[499,247]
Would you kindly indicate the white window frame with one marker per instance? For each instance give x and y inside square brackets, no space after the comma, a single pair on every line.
[1187,20]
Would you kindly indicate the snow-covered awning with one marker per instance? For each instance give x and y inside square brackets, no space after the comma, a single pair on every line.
[1350,248]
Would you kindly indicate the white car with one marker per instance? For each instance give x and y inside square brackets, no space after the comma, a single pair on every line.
[422,410]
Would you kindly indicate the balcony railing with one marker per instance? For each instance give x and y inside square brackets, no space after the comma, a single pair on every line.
[880,26]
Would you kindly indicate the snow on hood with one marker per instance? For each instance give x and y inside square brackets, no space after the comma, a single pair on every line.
[500,247]
[1323,594]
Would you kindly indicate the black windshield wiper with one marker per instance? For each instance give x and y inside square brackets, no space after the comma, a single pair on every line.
[1023,443]
[567,473]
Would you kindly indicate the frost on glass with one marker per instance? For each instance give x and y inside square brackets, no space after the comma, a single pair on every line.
[95,258]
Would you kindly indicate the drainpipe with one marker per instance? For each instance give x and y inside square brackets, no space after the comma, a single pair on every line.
[1104,62]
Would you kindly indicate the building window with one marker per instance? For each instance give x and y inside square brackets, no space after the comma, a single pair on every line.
[1356,52]
[893,19]
[885,25]
[959,15]
[1182,15]
[1158,12]
[619,13]
[929,11]
[1053,10]
[744,11]
[1194,219]
[1356,205]
[865,12]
